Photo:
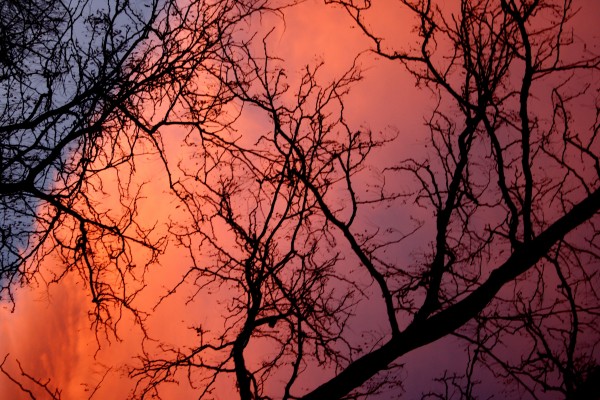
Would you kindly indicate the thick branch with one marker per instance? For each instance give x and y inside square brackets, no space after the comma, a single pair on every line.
[445,322]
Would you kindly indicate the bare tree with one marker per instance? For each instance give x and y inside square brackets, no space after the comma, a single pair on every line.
[29,382]
[276,219]
[85,87]
[511,184]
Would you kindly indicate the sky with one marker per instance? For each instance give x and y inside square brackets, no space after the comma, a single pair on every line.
[49,329]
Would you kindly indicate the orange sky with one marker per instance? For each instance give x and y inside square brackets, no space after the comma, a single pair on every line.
[49,330]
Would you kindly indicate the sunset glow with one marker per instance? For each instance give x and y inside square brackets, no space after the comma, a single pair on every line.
[291,185]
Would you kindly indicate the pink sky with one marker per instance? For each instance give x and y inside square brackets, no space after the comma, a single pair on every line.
[49,330]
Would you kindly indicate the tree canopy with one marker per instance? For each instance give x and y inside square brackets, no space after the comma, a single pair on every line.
[487,234]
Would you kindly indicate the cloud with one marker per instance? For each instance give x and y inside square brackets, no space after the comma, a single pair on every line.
[48,334]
